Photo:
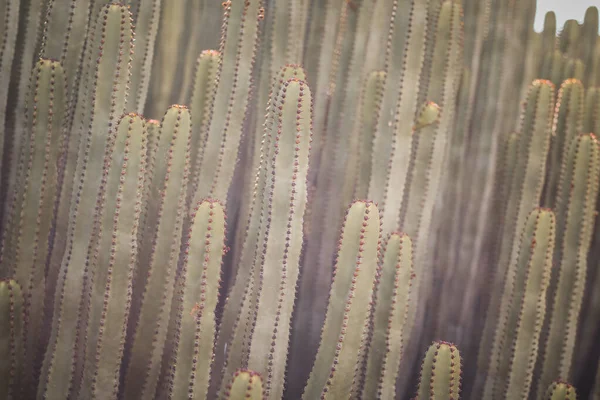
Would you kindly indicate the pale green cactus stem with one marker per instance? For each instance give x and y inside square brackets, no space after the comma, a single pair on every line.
[196,299]
[101,100]
[238,48]
[371,101]
[141,377]
[147,15]
[389,320]
[113,37]
[204,86]
[568,38]
[239,306]
[319,71]
[337,366]
[441,372]
[523,195]
[425,130]
[28,22]
[552,68]
[152,141]
[33,214]
[549,33]
[404,59]
[591,112]
[246,385]
[64,36]
[168,41]
[11,339]
[575,212]
[515,347]
[8,39]
[204,33]
[114,260]
[573,69]
[334,192]
[281,258]
[568,117]
[560,390]
[589,37]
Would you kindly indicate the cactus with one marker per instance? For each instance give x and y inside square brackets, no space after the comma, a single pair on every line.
[337,364]
[441,372]
[164,240]
[575,208]
[522,315]
[389,320]
[11,338]
[119,280]
[245,385]
[196,300]
[559,390]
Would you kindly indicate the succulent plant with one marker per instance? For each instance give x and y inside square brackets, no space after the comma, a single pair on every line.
[393,173]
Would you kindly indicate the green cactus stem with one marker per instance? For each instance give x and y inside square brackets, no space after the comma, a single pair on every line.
[196,300]
[559,390]
[246,385]
[516,339]
[567,124]
[389,320]
[11,339]
[238,48]
[113,37]
[575,211]
[524,194]
[33,213]
[335,369]
[162,255]
[279,266]
[114,260]
[440,373]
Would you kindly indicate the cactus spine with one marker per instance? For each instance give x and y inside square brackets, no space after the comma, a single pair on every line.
[246,385]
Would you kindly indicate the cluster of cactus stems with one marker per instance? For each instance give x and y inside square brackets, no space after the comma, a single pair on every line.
[303,204]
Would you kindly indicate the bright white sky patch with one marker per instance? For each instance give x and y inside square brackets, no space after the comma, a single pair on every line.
[564,9]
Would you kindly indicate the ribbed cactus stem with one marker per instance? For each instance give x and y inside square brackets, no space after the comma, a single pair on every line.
[369,108]
[204,87]
[239,306]
[34,209]
[440,373]
[280,262]
[8,41]
[523,195]
[591,113]
[238,47]
[559,390]
[114,261]
[568,117]
[146,32]
[196,298]
[113,39]
[336,367]
[246,385]
[154,312]
[11,339]
[575,212]
[389,318]
[515,346]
